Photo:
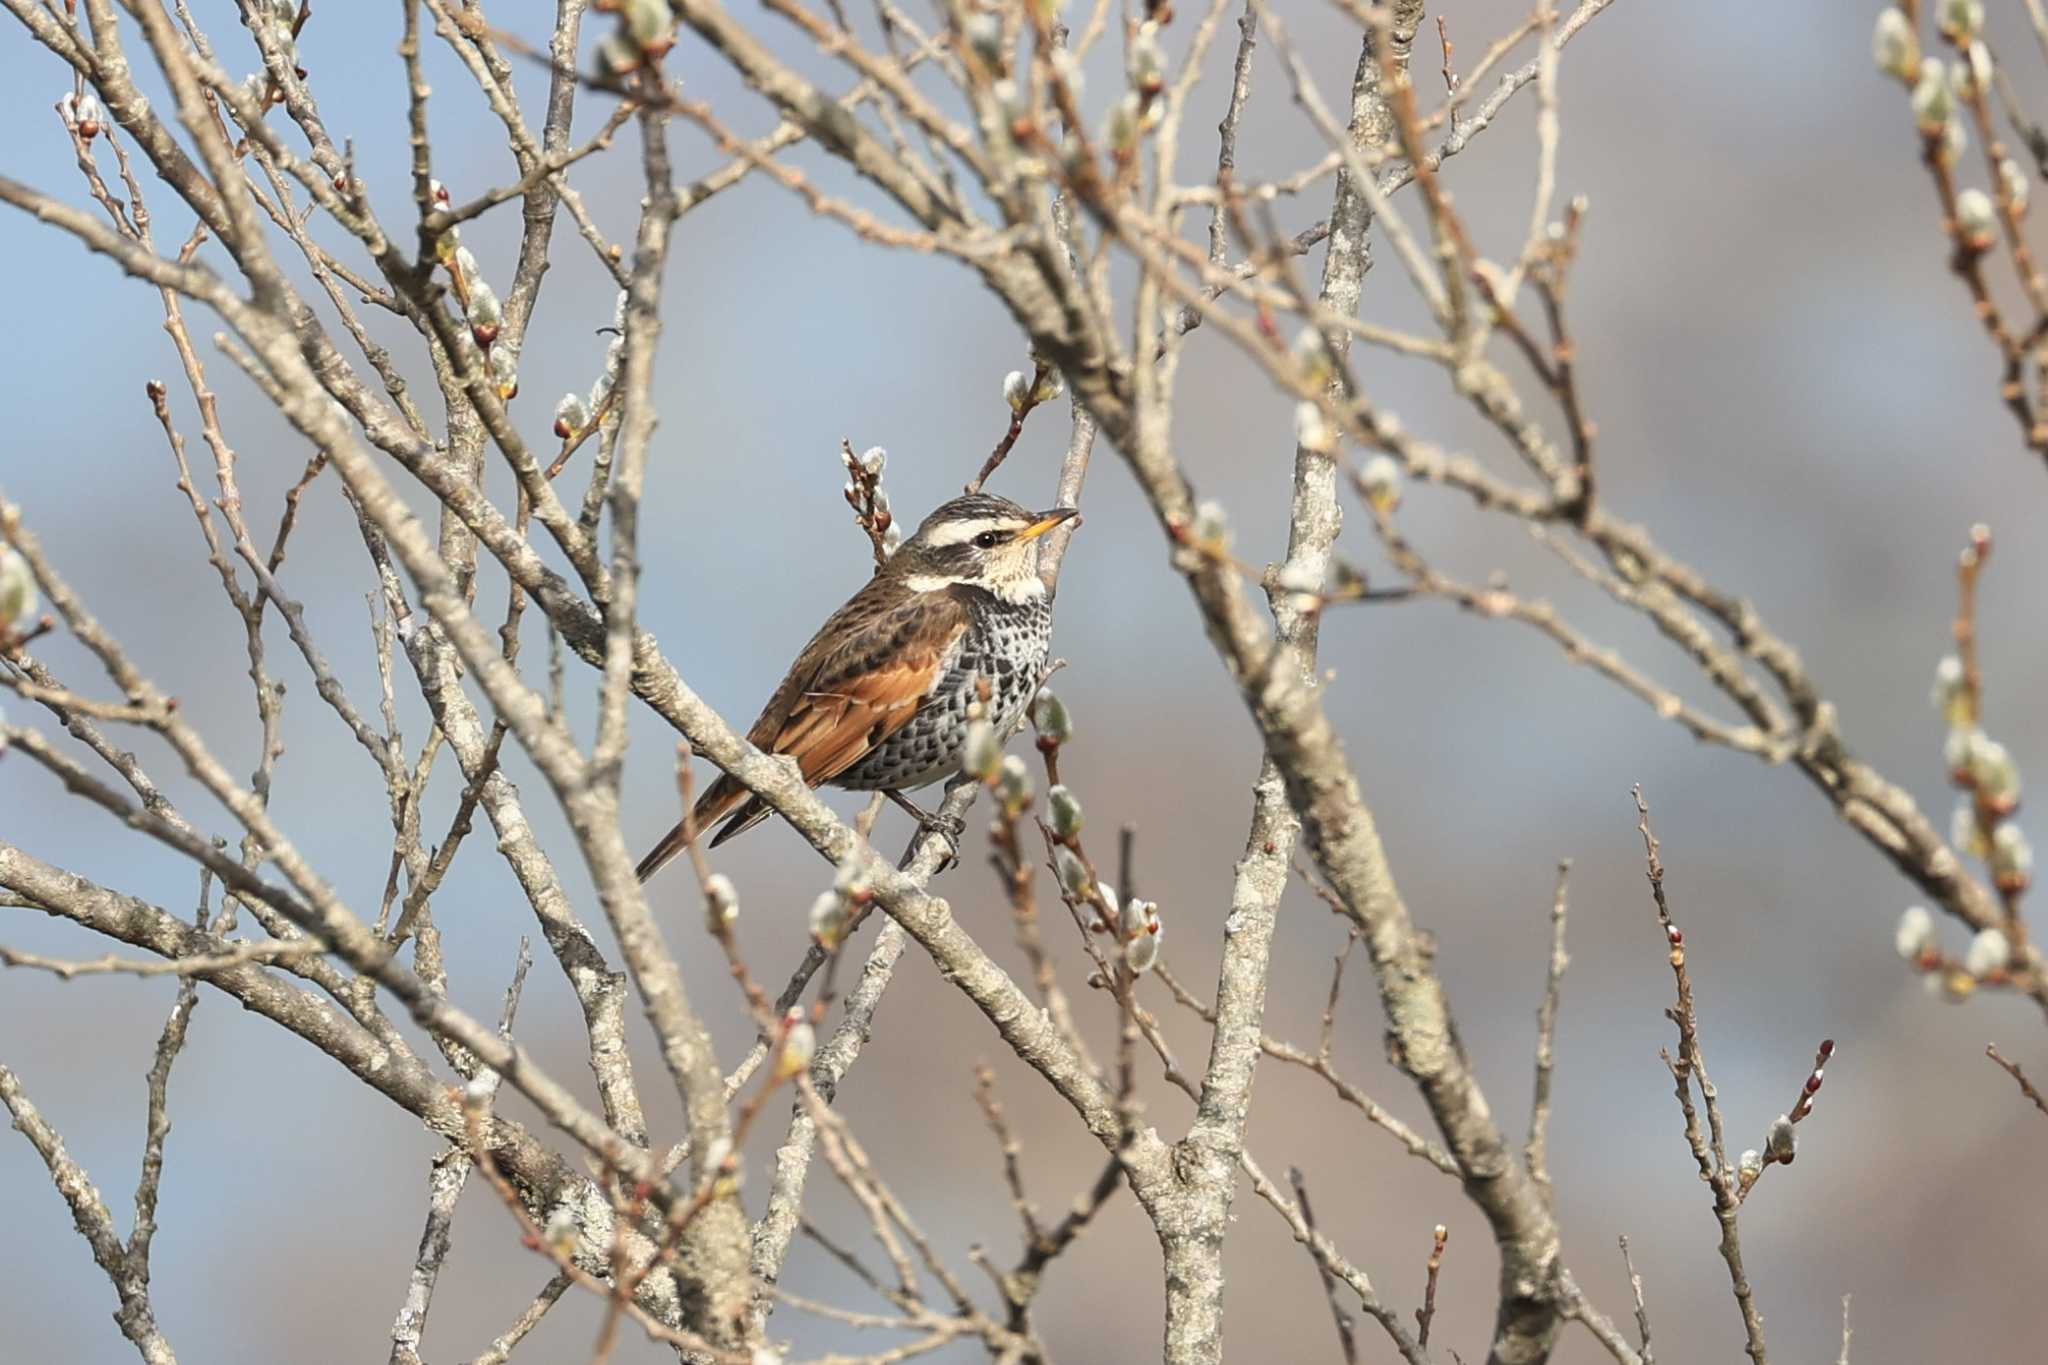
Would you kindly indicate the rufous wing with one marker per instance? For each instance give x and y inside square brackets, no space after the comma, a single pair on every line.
[863,677]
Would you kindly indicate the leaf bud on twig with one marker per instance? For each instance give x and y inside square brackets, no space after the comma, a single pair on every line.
[1065,809]
[1895,46]
[1050,717]
[2013,184]
[1381,479]
[1312,430]
[486,314]
[2012,858]
[1962,19]
[17,590]
[981,753]
[1017,390]
[828,918]
[1782,1142]
[1073,873]
[1989,951]
[799,1045]
[1933,101]
[1915,932]
[721,901]
[1142,932]
[571,415]
[1976,219]
[1013,785]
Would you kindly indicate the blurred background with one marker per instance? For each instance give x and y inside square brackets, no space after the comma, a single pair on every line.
[1791,393]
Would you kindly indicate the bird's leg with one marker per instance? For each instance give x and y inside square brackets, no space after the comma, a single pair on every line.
[947,827]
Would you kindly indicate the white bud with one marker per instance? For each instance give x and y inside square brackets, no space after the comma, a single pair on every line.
[1894,44]
[2013,184]
[1312,431]
[88,117]
[1312,354]
[1948,684]
[1298,578]
[1381,479]
[799,1045]
[650,24]
[1010,99]
[1933,101]
[479,1090]
[1017,390]
[981,753]
[872,460]
[465,263]
[560,1229]
[1966,832]
[1048,388]
[2011,854]
[1955,750]
[1752,1164]
[1976,219]
[1137,916]
[1782,1142]
[1145,63]
[1989,951]
[1121,127]
[1977,61]
[1050,717]
[721,900]
[1992,769]
[1960,81]
[1916,929]
[1073,873]
[1954,141]
[1106,893]
[882,508]
[828,918]
[984,34]
[1013,784]
[17,591]
[504,367]
[484,308]
[571,416]
[1065,809]
[850,878]
[1067,68]
[1962,19]
[1142,934]
[892,538]
[1211,527]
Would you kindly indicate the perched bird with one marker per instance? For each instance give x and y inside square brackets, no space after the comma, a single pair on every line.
[878,699]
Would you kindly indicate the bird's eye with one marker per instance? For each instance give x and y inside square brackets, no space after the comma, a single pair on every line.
[988,540]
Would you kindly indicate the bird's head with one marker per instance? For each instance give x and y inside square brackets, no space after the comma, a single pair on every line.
[979,540]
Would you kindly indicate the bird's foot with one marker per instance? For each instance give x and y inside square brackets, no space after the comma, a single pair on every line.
[947,827]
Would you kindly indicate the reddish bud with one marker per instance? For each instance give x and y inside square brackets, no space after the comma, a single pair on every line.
[1677,938]
[1827,1047]
[1813,1083]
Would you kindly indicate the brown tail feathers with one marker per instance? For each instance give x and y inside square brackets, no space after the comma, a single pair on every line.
[719,798]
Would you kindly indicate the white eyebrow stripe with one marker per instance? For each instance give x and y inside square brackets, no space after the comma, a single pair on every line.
[960,532]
